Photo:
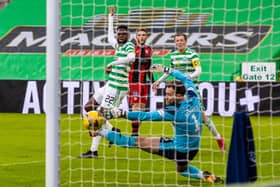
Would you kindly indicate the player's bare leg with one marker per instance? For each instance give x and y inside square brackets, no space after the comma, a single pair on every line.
[88,122]
[93,151]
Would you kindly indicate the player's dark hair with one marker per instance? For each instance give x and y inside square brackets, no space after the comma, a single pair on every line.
[181,34]
[122,27]
[178,86]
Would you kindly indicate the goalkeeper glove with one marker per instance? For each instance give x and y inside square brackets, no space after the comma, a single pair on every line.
[114,113]
[159,68]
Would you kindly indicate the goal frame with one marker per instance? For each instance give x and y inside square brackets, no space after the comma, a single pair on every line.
[53,93]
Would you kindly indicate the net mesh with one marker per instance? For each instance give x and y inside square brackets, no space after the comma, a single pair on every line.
[225,34]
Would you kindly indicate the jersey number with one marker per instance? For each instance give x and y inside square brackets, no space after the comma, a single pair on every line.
[109,99]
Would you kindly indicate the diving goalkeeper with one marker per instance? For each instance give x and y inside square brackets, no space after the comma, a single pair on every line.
[183,109]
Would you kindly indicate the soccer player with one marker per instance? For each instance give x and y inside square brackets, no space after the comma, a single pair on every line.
[138,77]
[116,88]
[187,61]
[3,3]
[184,110]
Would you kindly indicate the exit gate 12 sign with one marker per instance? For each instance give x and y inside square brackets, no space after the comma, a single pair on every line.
[258,71]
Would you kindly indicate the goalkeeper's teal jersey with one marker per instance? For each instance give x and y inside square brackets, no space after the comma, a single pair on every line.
[186,117]
[184,61]
[118,77]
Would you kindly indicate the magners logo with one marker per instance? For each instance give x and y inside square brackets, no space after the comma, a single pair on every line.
[162,24]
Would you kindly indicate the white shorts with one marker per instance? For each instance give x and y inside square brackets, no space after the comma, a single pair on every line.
[109,97]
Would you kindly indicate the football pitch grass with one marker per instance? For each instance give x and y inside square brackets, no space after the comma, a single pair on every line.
[22,154]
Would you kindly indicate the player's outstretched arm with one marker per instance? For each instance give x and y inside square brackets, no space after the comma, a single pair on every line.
[111,39]
[156,84]
[134,115]
[158,68]
[187,81]
[157,115]
[124,60]
[144,116]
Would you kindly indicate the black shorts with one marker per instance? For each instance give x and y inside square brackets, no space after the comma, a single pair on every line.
[179,157]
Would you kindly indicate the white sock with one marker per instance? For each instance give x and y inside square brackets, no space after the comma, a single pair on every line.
[108,125]
[103,132]
[211,126]
[95,143]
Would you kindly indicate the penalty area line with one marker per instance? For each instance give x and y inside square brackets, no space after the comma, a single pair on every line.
[22,163]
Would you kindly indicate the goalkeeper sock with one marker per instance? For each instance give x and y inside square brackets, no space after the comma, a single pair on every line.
[192,172]
[135,127]
[209,123]
[118,139]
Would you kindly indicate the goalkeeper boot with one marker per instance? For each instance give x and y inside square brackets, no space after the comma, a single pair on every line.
[89,154]
[208,177]
[117,130]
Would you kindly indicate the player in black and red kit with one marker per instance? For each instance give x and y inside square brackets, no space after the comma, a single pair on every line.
[140,77]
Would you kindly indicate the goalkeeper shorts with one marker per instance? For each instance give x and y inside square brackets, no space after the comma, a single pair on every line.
[167,150]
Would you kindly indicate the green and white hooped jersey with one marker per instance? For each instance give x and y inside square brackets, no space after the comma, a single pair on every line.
[118,77]
[185,62]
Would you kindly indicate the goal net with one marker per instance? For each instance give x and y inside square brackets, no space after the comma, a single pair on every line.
[239,51]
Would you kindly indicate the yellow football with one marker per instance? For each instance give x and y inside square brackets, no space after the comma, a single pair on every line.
[93,121]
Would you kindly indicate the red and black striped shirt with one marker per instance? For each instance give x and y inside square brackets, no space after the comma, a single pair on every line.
[140,69]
